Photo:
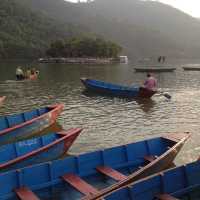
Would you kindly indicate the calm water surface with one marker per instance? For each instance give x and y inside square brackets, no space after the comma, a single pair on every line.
[109,121]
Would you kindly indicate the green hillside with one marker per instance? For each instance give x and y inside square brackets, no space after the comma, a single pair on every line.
[27,34]
[142,28]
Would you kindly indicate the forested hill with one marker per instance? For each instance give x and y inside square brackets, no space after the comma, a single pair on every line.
[27,34]
[142,28]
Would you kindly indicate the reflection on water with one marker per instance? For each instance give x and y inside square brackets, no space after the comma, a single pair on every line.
[109,121]
[146,104]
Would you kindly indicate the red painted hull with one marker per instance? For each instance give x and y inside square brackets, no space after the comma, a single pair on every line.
[145,93]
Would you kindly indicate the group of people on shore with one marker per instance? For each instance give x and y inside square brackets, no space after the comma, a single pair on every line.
[31,74]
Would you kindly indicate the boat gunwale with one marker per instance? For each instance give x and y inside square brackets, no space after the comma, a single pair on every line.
[55,107]
[120,87]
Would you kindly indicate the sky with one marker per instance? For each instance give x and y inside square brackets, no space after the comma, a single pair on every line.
[192,7]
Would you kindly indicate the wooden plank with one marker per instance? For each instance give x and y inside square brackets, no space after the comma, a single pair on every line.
[79,184]
[25,194]
[108,171]
[166,197]
[149,158]
[176,137]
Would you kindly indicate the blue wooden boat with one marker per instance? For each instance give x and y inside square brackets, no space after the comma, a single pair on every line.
[93,174]
[36,150]
[175,184]
[23,125]
[116,90]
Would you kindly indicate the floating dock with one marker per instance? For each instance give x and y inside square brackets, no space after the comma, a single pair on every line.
[154,68]
[190,68]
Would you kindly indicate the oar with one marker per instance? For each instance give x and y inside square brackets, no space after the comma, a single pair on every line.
[168,96]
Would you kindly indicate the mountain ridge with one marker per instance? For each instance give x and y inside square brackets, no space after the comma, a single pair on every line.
[142,28]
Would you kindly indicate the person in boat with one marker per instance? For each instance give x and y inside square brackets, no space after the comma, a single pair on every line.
[33,75]
[28,73]
[150,83]
[19,73]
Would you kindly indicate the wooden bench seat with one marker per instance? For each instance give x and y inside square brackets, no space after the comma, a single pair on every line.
[25,194]
[79,184]
[150,158]
[112,173]
[166,197]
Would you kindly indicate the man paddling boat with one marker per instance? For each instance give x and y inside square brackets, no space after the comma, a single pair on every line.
[150,83]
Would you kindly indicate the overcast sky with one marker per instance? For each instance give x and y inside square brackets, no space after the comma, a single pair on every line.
[191,7]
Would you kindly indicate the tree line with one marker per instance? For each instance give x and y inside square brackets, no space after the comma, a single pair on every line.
[25,33]
[84,47]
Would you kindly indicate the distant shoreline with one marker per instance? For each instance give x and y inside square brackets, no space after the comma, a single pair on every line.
[79,60]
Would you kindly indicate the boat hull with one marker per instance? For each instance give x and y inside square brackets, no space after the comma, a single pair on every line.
[27,128]
[37,150]
[104,88]
[178,183]
[75,170]
[154,69]
[191,68]
[162,163]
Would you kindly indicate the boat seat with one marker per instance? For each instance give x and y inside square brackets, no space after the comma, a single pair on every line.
[25,194]
[166,197]
[108,171]
[79,184]
[150,158]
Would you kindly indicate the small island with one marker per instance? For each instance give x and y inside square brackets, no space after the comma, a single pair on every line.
[85,50]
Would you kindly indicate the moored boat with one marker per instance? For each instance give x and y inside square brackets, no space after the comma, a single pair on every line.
[2,99]
[93,174]
[191,68]
[36,150]
[22,125]
[174,184]
[111,89]
[154,68]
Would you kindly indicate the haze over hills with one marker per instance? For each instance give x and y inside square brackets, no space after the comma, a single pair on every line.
[142,28]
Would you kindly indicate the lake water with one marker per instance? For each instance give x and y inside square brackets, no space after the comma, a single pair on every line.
[108,121]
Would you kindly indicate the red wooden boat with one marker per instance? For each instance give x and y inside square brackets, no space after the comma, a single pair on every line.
[22,125]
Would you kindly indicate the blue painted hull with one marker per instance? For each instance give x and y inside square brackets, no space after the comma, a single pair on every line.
[180,182]
[116,90]
[126,159]
[15,127]
[37,150]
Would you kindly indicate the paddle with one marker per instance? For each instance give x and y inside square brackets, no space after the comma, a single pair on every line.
[168,96]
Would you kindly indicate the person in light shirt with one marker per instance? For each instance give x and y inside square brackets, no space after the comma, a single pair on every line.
[150,83]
